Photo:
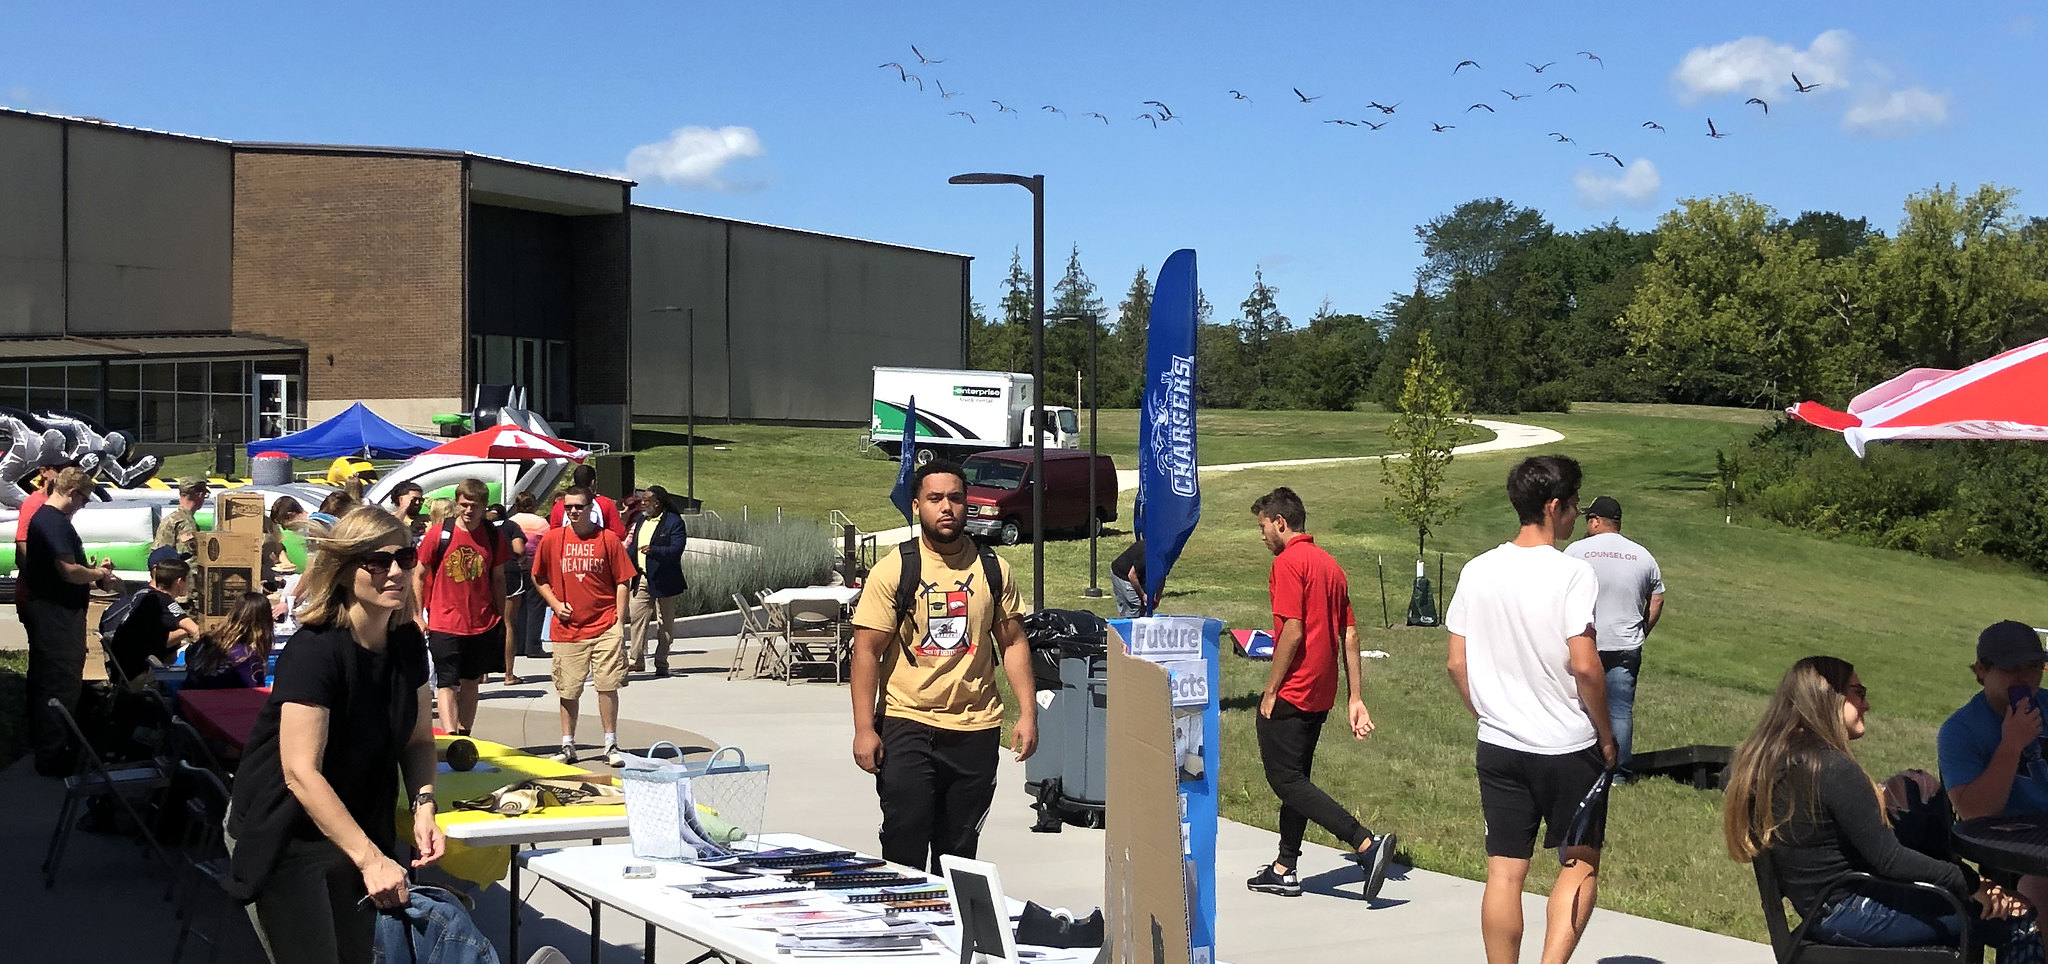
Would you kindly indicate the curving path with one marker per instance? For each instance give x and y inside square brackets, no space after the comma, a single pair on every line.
[1506,436]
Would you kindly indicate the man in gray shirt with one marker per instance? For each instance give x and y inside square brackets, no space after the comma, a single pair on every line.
[1631,598]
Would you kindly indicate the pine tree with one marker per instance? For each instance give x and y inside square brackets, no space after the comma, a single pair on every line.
[1123,354]
[1066,325]
[1014,353]
[1259,323]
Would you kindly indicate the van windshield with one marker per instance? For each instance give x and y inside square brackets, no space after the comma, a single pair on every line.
[994,473]
[1070,423]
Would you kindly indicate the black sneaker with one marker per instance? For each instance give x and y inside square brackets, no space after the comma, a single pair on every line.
[1268,882]
[1375,860]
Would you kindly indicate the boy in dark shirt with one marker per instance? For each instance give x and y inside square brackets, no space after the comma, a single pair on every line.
[157,626]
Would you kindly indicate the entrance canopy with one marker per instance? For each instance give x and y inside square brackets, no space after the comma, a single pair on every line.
[355,431]
[2002,397]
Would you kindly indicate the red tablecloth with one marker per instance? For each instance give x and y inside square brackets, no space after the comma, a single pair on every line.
[226,715]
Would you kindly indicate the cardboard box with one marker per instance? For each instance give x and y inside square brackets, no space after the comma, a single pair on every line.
[238,512]
[1146,894]
[228,564]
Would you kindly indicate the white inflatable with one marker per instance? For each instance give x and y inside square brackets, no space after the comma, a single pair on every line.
[433,472]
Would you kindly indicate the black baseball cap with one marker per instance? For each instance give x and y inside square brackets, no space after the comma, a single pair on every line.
[2004,645]
[1606,508]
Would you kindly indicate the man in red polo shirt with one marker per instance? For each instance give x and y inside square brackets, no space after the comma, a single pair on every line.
[1311,623]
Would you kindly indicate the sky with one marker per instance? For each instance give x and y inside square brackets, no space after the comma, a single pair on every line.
[779,113]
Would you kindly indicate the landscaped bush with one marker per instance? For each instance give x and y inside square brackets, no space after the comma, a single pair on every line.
[790,553]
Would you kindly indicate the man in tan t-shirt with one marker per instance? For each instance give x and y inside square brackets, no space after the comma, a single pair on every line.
[933,743]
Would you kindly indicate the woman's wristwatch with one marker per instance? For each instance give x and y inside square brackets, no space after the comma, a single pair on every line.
[424,798]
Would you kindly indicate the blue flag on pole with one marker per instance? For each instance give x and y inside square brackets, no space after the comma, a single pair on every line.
[1169,495]
[901,494]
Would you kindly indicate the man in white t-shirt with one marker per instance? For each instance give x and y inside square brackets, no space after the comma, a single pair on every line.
[1631,600]
[1523,659]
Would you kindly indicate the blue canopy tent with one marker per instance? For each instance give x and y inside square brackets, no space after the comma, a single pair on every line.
[357,431]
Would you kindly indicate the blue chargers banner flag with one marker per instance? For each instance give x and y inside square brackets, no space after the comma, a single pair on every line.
[1190,647]
[1169,495]
[901,494]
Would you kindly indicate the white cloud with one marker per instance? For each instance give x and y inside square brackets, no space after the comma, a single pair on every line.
[1900,113]
[696,157]
[1757,67]
[1633,186]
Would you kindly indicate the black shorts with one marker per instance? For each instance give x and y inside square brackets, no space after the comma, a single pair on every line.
[1517,790]
[457,658]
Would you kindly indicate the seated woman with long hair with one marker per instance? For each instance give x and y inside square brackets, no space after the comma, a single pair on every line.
[236,656]
[1795,792]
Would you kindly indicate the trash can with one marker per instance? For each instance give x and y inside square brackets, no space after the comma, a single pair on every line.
[1068,777]
[270,468]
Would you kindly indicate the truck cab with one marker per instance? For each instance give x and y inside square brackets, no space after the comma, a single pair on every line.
[1060,425]
[999,490]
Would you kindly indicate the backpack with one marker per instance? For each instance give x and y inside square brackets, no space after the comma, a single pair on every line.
[117,613]
[910,578]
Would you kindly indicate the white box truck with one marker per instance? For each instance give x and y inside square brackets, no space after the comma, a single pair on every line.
[961,412]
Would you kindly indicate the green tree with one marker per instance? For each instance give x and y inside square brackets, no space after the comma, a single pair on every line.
[1960,281]
[1009,347]
[1330,361]
[1474,239]
[1123,352]
[1429,425]
[1259,325]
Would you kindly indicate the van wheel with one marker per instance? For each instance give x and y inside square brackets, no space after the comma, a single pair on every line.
[1101,521]
[923,456]
[1011,533]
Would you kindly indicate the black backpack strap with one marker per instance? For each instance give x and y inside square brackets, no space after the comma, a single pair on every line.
[992,573]
[909,576]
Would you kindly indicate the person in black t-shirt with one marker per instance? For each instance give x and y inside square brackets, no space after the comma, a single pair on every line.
[157,626]
[310,830]
[1127,580]
[59,584]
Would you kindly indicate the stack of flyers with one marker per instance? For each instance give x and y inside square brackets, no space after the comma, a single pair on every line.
[895,894]
[743,887]
[867,927]
[878,946]
[788,920]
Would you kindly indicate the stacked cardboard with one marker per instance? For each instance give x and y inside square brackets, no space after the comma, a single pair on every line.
[230,558]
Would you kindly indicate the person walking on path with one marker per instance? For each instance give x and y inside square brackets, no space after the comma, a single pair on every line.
[1314,635]
[1127,580]
[1990,748]
[461,592]
[180,529]
[927,717]
[59,582]
[657,545]
[310,832]
[1630,602]
[605,512]
[581,571]
[1523,660]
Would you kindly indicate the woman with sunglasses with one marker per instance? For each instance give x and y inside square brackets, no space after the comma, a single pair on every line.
[310,829]
[1796,793]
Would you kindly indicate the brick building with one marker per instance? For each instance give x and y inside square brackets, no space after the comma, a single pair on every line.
[183,288]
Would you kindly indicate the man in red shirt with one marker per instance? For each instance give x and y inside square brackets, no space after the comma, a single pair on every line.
[604,512]
[1311,622]
[46,473]
[460,584]
[582,572]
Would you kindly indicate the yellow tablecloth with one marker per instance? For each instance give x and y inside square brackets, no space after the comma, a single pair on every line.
[484,865]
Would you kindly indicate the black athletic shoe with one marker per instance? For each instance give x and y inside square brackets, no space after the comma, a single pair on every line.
[1268,882]
[1375,860]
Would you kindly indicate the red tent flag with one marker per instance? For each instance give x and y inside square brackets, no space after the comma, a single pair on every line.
[511,443]
[2002,397]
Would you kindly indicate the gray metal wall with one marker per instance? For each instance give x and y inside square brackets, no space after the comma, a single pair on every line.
[31,226]
[151,233]
[789,324]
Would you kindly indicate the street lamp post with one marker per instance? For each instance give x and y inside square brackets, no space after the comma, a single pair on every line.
[1036,185]
[689,407]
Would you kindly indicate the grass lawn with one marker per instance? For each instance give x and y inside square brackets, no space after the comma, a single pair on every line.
[1745,601]
[13,705]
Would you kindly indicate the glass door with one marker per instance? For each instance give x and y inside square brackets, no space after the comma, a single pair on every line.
[279,401]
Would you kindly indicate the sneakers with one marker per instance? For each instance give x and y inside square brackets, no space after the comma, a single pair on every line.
[612,756]
[1267,881]
[1375,860]
[568,754]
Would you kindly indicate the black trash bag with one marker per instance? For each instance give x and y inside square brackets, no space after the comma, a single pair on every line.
[1073,632]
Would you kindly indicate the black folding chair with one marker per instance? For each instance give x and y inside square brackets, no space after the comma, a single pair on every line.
[1791,945]
[204,867]
[123,785]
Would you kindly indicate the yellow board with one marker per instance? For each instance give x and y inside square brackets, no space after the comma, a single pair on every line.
[484,865]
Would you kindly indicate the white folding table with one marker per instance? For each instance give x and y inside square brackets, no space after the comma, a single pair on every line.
[842,595]
[517,832]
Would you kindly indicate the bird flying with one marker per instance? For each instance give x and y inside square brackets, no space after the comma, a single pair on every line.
[1561,139]
[1542,68]
[916,79]
[1098,116]
[1713,131]
[1440,128]
[1653,125]
[1306,98]
[962,113]
[922,59]
[1063,114]
[1462,64]
[1514,96]
[1760,103]
[943,93]
[1002,108]
[1611,157]
[1147,116]
[1565,86]
[900,74]
[1346,123]
[1375,126]
[1474,107]
[1589,55]
[1165,112]
[1803,88]
[1238,95]
[1383,108]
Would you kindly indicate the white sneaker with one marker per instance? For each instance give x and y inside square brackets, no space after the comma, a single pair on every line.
[568,754]
[612,756]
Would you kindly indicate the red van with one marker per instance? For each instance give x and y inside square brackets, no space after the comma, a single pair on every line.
[999,492]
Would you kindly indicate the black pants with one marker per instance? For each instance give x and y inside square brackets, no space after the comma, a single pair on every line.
[936,786]
[1287,745]
[56,669]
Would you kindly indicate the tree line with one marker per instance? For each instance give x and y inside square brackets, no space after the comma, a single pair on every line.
[1725,302]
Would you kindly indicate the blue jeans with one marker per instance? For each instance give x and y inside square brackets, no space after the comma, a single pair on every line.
[1896,918]
[1622,665]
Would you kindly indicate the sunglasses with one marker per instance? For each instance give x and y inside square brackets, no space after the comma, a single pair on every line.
[575,507]
[405,559]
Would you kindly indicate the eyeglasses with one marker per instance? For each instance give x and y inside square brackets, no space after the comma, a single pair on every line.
[405,558]
[575,506]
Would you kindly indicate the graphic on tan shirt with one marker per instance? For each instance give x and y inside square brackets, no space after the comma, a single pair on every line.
[947,632]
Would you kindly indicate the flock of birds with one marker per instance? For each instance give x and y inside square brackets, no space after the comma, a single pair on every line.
[1159,113]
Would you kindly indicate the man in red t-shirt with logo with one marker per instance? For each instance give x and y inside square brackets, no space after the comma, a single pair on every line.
[581,571]
[1311,623]
[460,584]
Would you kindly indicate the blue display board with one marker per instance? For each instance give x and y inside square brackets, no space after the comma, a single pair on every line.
[1190,649]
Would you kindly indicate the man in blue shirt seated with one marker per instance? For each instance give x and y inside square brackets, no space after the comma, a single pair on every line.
[1990,750]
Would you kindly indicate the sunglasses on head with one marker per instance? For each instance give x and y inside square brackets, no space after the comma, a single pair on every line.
[405,558]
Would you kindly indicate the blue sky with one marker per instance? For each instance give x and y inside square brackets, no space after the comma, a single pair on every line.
[798,126]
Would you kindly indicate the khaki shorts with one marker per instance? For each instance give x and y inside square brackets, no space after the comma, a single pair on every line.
[602,659]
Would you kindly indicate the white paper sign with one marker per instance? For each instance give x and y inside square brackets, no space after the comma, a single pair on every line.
[1166,638]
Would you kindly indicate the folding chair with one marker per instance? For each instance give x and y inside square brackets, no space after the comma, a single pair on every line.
[775,617]
[95,781]
[205,866]
[751,629]
[188,745]
[814,637]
